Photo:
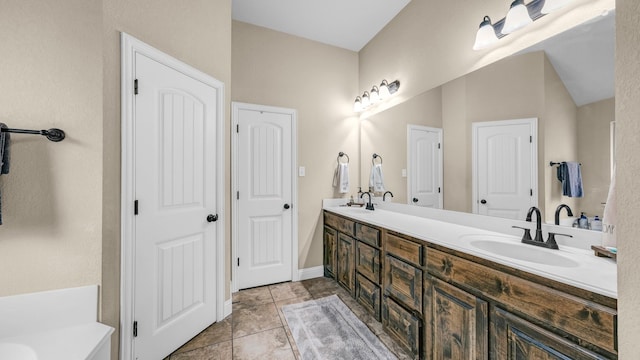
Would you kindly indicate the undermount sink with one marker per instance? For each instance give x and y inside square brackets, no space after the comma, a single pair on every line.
[505,247]
[357,210]
[16,351]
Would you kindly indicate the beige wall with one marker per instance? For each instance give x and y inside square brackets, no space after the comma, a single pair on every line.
[386,134]
[559,138]
[320,82]
[628,167]
[594,154]
[51,71]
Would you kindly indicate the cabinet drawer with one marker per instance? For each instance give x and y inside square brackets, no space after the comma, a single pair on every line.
[403,326]
[368,234]
[368,295]
[339,223]
[403,282]
[404,249]
[551,308]
[368,262]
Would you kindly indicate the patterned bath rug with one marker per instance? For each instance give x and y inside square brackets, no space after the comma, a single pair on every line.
[325,329]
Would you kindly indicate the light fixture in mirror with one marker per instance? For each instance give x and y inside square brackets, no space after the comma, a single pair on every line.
[357,105]
[553,5]
[375,94]
[517,17]
[366,101]
[486,35]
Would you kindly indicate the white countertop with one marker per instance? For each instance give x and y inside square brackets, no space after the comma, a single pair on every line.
[587,271]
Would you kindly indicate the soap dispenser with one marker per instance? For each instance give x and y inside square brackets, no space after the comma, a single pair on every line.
[596,224]
[583,222]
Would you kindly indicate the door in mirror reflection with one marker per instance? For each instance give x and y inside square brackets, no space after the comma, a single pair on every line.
[504,167]
[424,155]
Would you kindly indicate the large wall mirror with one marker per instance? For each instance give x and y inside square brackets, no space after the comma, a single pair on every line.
[565,84]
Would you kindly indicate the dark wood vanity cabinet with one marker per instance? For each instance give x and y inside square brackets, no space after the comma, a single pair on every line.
[440,303]
[456,322]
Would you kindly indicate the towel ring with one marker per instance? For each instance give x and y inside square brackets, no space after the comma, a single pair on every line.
[375,156]
[341,154]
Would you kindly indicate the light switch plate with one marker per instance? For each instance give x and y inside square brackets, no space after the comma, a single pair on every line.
[404,172]
[301,171]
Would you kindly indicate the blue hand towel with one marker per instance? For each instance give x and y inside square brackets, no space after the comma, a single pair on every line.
[571,176]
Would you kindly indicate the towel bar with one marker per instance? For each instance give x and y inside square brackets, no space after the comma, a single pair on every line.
[341,154]
[53,134]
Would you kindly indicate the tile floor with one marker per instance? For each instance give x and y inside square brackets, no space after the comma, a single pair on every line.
[257,328]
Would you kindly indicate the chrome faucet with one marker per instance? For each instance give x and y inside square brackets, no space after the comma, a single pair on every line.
[538,222]
[558,209]
[385,195]
[369,204]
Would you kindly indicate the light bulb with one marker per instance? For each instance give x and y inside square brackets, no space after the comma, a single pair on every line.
[366,101]
[517,17]
[486,35]
[357,105]
[375,95]
[383,92]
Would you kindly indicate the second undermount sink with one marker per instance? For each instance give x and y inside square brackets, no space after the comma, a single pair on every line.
[16,351]
[505,247]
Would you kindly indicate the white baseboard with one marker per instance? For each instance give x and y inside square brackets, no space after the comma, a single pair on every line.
[227,307]
[311,273]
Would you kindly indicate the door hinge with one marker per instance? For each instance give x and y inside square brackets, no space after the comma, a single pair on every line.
[439,190]
[237,195]
[135,87]
[238,261]
[135,207]
[438,145]
[531,139]
[531,192]
[237,128]
[135,329]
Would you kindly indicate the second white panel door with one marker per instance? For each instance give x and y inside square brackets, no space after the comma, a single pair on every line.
[264,198]
[425,166]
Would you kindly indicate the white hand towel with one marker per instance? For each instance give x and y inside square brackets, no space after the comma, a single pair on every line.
[341,178]
[609,217]
[376,180]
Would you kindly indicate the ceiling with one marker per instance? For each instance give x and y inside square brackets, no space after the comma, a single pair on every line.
[349,24]
[584,58]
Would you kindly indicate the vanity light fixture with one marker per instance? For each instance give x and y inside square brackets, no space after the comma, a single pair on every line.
[517,17]
[486,35]
[376,95]
[357,105]
[366,100]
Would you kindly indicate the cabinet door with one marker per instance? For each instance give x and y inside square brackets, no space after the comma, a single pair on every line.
[368,295]
[330,252]
[513,338]
[402,325]
[345,265]
[368,262]
[403,282]
[456,323]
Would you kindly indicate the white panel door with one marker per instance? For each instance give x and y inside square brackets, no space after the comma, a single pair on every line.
[425,166]
[505,169]
[264,199]
[175,182]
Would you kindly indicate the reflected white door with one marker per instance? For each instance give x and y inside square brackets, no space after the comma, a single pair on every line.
[424,173]
[175,188]
[264,197]
[505,167]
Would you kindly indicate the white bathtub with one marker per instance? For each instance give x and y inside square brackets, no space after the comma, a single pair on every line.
[53,325]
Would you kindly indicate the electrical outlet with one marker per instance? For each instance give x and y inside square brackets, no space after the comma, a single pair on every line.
[301,171]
